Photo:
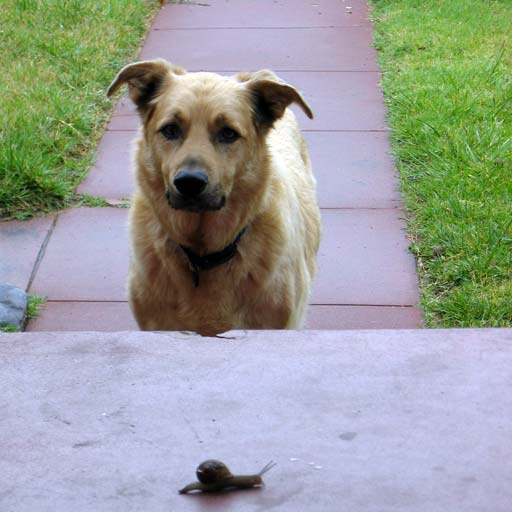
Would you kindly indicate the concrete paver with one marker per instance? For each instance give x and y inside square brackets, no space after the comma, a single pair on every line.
[20,244]
[363,259]
[278,14]
[112,174]
[353,169]
[347,101]
[199,50]
[87,257]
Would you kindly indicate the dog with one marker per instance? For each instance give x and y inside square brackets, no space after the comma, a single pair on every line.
[225,226]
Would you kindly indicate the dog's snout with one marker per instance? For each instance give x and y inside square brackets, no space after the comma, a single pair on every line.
[192,191]
[191,182]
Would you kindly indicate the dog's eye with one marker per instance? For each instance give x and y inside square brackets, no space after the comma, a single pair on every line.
[227,135]
[171,131]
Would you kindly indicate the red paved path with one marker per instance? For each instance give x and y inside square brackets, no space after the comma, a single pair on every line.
[367,278]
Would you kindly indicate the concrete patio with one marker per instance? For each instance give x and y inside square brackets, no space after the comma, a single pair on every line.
[363,421]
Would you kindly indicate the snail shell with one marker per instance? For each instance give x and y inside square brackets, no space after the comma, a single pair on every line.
[212,471]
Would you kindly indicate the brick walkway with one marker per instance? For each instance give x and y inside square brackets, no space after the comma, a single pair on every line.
[367,279]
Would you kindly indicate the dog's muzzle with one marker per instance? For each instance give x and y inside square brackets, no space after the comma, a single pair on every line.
[190,191]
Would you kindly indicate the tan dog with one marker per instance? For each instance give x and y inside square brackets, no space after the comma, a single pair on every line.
[225,226]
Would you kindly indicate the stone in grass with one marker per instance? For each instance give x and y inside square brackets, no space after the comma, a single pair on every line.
[13,306]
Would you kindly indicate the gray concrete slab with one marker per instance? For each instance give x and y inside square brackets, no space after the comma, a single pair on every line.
[392,420]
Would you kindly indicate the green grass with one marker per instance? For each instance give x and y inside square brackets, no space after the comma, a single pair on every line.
[8,328]
[447,79]
[58,57]
[34,303]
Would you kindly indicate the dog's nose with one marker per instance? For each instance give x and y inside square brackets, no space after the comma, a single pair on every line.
[191,182]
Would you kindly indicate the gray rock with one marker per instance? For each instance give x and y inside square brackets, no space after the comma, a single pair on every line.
[13,306]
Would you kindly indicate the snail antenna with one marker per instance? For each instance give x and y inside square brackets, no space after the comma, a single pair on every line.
[267,467]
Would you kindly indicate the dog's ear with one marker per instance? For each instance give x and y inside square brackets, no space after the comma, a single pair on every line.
[144,80]
[270,97]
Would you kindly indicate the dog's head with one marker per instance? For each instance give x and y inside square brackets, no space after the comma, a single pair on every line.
[203,129]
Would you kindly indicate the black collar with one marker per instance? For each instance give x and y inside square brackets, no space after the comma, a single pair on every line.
[211,260]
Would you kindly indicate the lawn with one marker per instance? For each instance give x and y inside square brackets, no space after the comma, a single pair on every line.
[58,57]
[447,79]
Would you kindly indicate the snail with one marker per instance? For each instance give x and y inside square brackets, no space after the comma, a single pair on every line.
[214,475]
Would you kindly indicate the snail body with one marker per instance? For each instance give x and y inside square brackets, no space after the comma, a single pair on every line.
[214,475]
